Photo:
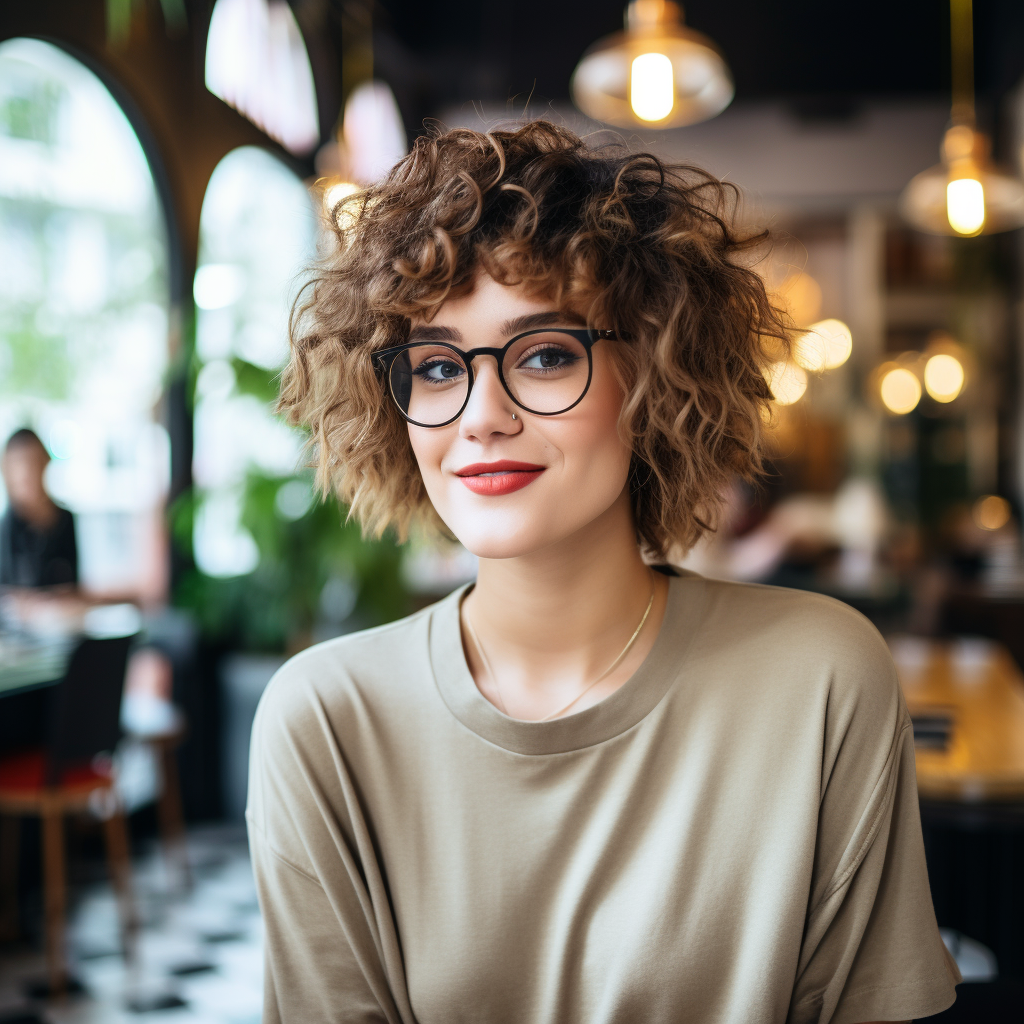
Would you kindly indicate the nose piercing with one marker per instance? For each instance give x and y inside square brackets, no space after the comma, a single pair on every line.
[514,416]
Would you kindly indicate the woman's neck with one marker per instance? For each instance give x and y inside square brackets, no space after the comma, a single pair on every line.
[40,513]
[552,622]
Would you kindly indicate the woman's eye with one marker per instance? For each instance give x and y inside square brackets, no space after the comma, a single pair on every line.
[548,359]
[440,369]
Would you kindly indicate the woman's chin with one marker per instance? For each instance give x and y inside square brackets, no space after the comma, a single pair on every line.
[507,537]
[499,546]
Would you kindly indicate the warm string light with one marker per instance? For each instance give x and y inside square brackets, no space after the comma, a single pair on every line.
[900,390]
[943,377]
[787,382]
[991,512]
[823,346]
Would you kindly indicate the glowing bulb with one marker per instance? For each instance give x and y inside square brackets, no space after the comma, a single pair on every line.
[652,87]
[787,382]
[900,390]
[943,377]
[965,205]
[991,512]
[824,346]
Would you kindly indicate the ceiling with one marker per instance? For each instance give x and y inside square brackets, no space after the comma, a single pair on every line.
[822,58]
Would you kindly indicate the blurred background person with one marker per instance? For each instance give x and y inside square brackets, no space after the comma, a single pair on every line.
[37,536]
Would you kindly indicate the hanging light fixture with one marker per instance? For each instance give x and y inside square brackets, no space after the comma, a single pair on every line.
[658,73]
[965,194]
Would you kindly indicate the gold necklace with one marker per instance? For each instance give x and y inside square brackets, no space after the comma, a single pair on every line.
[561,711]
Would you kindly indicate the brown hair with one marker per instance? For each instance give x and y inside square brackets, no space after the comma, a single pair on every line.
[644,248]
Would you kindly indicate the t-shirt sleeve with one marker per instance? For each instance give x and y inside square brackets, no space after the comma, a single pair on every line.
[310,970]
[320,890]
[871,948]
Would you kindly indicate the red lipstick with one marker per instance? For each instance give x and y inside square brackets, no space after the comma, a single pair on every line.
[496,478]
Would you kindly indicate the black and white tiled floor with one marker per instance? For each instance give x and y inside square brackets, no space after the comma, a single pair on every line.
[201,950]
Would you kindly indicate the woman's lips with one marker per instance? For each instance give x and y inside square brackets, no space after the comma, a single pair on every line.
[496,478]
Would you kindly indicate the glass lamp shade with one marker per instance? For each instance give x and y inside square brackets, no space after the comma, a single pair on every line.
[990,199]
[657,74]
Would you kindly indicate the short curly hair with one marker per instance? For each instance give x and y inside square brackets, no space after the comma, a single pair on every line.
[645,248]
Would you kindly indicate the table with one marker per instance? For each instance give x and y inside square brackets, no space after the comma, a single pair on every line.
[26,663]
[977,687]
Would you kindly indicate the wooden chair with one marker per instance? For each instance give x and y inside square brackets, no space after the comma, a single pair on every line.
[72,774]
[165,740]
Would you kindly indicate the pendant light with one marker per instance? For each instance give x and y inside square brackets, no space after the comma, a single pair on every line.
[965,194]
[656,74]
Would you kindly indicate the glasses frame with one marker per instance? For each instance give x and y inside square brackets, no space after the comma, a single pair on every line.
[587,336]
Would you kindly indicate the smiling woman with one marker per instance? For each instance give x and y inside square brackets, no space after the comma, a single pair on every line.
[587,788]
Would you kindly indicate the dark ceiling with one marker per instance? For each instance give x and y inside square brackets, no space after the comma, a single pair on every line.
[822,56]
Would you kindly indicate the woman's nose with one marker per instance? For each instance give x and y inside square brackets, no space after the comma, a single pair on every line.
[489,410]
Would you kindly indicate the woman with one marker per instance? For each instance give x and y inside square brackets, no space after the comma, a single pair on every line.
[37,537]
[581,790]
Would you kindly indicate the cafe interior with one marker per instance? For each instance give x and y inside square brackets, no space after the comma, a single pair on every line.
[168,171]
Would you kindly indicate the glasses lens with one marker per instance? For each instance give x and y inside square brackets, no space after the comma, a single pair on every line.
[429,383]
[547,372]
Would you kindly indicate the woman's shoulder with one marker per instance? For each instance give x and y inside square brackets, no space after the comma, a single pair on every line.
[799,637]
[385,664]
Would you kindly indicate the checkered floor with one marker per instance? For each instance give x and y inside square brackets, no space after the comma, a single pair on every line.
[200,952]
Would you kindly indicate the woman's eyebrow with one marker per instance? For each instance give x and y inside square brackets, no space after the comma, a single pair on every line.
[530,322]
[552,318]
[425,332]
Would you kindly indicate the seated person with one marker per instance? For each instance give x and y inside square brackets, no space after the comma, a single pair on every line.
[37,536]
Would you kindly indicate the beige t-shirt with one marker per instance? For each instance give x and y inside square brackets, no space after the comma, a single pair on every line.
[732,836]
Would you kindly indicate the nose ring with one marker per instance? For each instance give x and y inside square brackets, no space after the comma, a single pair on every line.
[514,416]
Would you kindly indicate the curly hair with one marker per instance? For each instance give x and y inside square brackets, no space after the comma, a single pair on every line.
[647,249]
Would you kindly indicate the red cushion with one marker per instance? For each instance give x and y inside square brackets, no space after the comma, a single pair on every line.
[25,773]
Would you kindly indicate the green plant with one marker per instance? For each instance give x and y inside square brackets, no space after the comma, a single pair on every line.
[310,554]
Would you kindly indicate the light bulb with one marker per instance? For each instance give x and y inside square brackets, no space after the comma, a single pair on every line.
[965,205]
[651,86]
[943,377]
[900,391]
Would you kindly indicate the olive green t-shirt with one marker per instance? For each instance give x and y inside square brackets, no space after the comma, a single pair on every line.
[732,836]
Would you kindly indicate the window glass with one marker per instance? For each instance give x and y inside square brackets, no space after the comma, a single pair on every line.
[84,308]
[257,233]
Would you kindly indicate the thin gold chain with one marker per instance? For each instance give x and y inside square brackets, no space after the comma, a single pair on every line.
[561,711]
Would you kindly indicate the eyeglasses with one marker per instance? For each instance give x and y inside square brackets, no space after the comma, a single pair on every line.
[546,371]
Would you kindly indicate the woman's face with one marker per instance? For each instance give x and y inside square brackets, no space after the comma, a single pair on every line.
[569,470]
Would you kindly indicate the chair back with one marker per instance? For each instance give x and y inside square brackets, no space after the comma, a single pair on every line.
[85,714]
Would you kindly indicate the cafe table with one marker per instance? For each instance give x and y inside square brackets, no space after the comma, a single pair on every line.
[966,698]
[30,662]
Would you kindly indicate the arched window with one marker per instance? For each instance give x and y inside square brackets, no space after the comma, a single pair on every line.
[257,233]
[84,308]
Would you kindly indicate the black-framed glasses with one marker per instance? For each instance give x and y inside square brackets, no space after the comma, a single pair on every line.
[545,371]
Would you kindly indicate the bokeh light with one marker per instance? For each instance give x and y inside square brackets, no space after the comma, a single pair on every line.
[826,345]
[991,512]
[943,377]
[900,391]
[334,196]
[800,295]
[787,381]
